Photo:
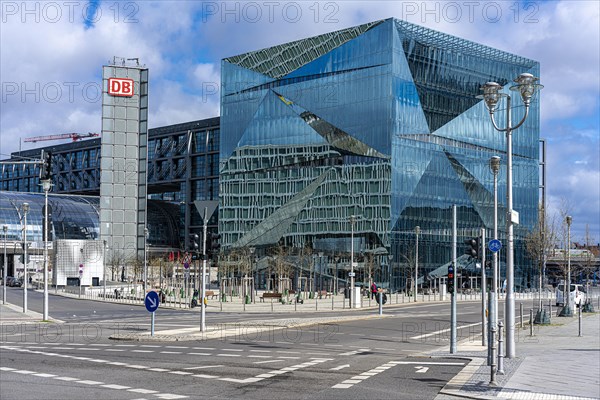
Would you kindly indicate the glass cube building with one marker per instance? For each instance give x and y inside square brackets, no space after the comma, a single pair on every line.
[380,122]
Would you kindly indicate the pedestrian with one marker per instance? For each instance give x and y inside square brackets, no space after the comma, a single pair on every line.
[373,290]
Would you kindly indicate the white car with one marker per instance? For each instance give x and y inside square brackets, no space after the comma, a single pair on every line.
[577,295]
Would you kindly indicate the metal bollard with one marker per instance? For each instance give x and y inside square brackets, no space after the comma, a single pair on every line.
[521,313]
[332,297]
[493,348]
[550,307]
[380,294]
[500,349]
[531,322]
[316,303]
[580,307]
[271,304]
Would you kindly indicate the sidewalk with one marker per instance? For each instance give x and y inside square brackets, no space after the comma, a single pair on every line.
[11,314]
[554,364]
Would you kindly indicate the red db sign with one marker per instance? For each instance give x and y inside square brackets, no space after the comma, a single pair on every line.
[120,87]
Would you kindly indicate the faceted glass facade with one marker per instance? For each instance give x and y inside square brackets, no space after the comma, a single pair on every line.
[380,121]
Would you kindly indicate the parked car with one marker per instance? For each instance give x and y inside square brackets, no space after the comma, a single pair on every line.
[577,293]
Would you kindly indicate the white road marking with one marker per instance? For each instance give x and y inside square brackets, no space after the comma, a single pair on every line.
[204,367]
[45,375]
[180,373]
[66,378]
[261,351]
[443,331]
[267,361]
[114,350]
[143,391]
[142,351]
[200,354]
[421,369]
[339,367]
[176,347]
[228,355]
[116,387]
[232,350]
[204,348]
[206,376]
[260,356]
[85,382]
[170,352]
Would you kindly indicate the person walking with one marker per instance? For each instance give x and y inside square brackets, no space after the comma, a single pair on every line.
[373,290]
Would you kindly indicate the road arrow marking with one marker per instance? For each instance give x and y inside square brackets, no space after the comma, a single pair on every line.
[421,369]
[339,368]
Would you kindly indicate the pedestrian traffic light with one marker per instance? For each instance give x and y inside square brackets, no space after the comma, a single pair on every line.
[194,239]
[213,245]
[473,247]
[450,280]
[46,168]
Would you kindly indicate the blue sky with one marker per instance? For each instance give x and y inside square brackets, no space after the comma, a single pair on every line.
[51,55]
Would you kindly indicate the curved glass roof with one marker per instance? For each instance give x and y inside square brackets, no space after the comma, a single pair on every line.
[77,217]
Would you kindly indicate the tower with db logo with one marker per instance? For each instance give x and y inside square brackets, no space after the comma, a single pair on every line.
[124,149]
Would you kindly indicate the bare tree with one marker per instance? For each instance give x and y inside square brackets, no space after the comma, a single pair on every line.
[589,258]
[539,243]
[281,265]
[409,268]
[115,260]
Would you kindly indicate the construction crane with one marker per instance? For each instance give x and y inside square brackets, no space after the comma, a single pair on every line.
[74,136]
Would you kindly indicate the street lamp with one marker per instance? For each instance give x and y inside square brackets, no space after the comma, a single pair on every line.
[526,85]
[252,290]
[417,231]
[46,186]
[25,281]
[495,167]
[352,220]
[146,235]
[567,292]
[390,258]
[5,230]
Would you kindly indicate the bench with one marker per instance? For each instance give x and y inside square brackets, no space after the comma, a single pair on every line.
[270,296]
[212,294]
[323,293]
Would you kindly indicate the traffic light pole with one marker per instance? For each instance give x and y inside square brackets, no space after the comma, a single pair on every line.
[204,258]
[452,294]
[483,291]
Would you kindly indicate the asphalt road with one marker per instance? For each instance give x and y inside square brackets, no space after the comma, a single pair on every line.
[364,359]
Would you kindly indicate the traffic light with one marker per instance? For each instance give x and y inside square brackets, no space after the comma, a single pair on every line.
[450,280]
[194,239]
[213,245]
[49,223]
[473,247]
[46,168]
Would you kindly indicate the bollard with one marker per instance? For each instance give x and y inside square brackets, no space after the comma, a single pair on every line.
[380,294]
[580,306]
[521,313]
[316,303]
[500,349]
[531,322]
[332,297]
[550,307]
[271,304]
[493,348]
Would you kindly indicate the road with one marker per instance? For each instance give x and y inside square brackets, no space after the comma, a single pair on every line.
[383,358]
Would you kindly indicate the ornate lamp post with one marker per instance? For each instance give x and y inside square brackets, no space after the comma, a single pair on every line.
[526,85]
[495,167]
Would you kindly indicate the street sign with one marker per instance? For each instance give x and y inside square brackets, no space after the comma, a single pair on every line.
[494,245]
[351,274]
[186,265]
[151,301]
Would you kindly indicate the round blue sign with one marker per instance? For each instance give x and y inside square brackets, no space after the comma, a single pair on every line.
[151,301]
[494,245]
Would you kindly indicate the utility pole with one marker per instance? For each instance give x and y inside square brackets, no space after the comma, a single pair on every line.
[452,296]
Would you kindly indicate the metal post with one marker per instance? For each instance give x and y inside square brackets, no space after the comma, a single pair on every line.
[492,326]
[495,166]
[580,307]
[483,290]
[104,271]
[452,295]
[567,286]
[46,184]
[417,230]
[145,260]
[380,294]
[152,324]
[25,281]
[5,230]
[352,217]
[500,348]
[204,257]
[531,322]
[521,314]
[550,308]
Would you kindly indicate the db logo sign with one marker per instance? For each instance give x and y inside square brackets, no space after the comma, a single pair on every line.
[120,87]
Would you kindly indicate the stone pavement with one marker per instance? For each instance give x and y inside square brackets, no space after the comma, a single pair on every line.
[554,364]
